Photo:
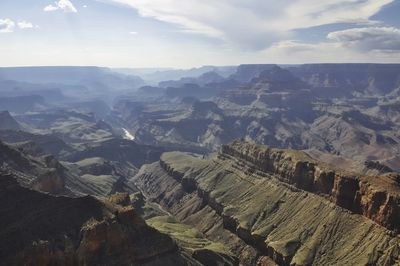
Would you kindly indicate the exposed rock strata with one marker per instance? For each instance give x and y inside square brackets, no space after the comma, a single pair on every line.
[237,198]
[377,198]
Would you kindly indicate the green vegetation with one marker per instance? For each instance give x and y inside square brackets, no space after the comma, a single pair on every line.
[186,235]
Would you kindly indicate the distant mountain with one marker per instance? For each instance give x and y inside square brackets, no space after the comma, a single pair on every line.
[8,122]
[340,80]
[153,77]
[92,77]
[344,109]
[204,79]
[22,104]
[246,72]
[53,93]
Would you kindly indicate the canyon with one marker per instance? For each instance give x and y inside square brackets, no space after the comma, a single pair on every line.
[241,165]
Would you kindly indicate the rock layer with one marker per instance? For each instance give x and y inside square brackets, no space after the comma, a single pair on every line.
[257,213]
[377,197]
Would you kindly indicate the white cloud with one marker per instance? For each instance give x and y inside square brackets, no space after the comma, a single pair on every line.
[50,8]
[133,32]
[367,39]
[6,25]
[9,25]
[362,45]
[254,23]
[25,25]
[64,5]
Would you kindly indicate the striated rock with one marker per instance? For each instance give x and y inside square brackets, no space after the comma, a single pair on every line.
[377,198]
[279,203]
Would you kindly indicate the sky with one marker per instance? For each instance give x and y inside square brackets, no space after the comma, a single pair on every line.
[192,33]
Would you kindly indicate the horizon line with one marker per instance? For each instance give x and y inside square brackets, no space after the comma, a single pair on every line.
[193,67]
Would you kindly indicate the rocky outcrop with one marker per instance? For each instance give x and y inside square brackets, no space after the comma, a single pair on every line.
[377,198]
[39,229]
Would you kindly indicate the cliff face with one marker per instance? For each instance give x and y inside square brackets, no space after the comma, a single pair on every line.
[265,203]
[39,229]
[377,198]
[42,173]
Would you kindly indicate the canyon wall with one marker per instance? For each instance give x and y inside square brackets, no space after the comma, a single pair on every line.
[281,215]
[377,198]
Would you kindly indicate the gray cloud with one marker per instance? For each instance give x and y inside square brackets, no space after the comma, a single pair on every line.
[367,39]
[6,25]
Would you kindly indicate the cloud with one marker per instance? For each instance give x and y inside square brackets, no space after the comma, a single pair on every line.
[323,52]
[255,24]
[50,8]
[367,39]
[64,5]
[25,25]
[357,45]
[133,32]
[6,25]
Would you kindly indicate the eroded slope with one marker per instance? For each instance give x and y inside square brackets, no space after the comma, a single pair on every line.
[261,205]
